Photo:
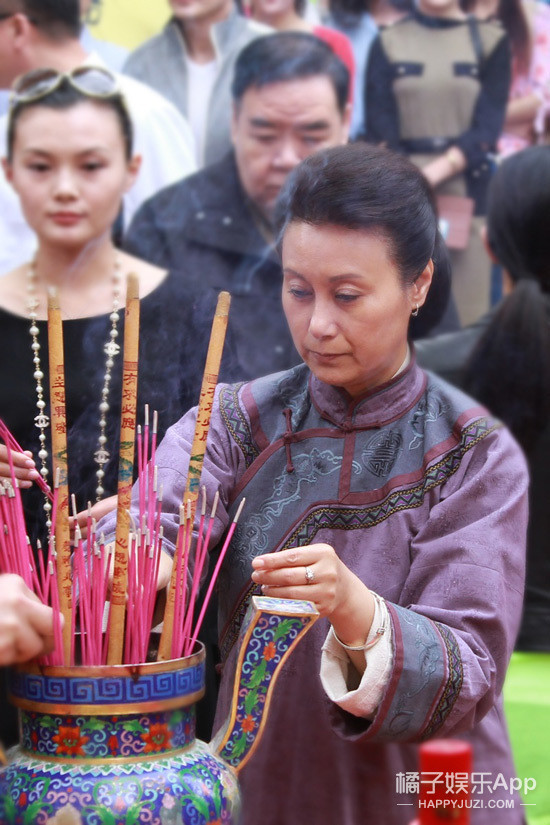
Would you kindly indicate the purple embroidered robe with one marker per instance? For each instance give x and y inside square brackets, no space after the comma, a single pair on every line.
[423,496]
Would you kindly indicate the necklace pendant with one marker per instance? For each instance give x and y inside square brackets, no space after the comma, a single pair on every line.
[101,456]
[111,349]
[41,421]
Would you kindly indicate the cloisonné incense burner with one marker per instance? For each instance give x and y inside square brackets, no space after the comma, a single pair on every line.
[116,745]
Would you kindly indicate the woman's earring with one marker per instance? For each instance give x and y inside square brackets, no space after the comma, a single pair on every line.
[414,313]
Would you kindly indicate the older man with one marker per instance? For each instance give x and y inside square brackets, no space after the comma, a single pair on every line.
[290,97]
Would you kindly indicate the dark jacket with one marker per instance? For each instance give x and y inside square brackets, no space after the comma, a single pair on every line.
[447,355]
[202,227]
[433,83]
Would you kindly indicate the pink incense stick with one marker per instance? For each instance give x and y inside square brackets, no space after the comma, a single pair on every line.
[185,572]
[145,444]
[42,564]
[152,473]
[182,558]
[191,642]
[153,589]
[106,557]
[37,586]
[10,557]
[9,533]
[182,530]
[18,521]
[200,557]
[10,441]
[151,574]
[153,497]
[129,597]
[141,497]
[139,654]
[105,650]
[73,629]
[16,537]
[89,537]
[83,594]
[56,657]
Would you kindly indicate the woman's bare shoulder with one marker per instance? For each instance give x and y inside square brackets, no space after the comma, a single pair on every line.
[13,291]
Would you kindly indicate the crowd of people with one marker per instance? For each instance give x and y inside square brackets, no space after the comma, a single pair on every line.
[364,180]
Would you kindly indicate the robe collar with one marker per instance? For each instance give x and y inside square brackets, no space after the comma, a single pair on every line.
[375,408]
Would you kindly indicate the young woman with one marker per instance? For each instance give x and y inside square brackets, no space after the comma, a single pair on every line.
[393,502]
[70,160]
[437,87]
[360,21]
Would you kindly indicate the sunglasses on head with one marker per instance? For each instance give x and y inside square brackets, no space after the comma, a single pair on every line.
[91,81]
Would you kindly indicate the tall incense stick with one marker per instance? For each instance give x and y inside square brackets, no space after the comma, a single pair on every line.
[196,460]
[59,455]
[125,470]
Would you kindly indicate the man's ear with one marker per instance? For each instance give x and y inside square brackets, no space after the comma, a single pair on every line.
[20,28]
[18,45]
[346,123]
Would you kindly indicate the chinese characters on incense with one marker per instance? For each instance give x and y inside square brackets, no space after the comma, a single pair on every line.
[196,460]
[125,471]
[76,584]
[60,468]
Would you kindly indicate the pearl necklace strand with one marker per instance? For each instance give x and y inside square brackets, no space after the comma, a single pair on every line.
[111,350]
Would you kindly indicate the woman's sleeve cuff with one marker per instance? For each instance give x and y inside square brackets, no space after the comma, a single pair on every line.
[359,695]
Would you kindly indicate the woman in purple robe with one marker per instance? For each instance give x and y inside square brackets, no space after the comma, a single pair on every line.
[391,500]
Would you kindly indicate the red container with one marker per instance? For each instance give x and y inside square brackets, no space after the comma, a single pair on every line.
[445,782]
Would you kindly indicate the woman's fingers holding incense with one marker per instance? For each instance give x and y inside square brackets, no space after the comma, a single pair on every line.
[23,466]
[96,512]
[164,570]
[26,625]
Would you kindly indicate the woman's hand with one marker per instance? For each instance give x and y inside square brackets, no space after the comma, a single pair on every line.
[164,573]
[450,163]
[23,465]
[165,570]
[26,625]
[97,511]
[335,591]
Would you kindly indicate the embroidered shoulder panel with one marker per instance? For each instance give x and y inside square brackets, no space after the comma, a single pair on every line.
[333,517]
[359,518]
[237,423]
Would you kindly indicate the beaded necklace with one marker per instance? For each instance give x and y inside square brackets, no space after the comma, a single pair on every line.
[111,350]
